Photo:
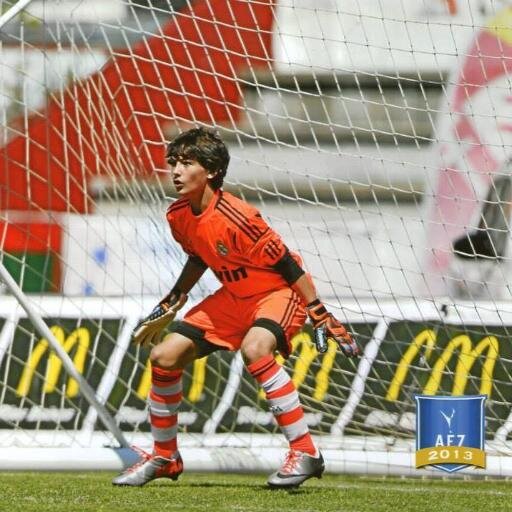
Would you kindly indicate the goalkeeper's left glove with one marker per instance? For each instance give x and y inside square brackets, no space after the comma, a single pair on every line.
[148,330]
[326,326]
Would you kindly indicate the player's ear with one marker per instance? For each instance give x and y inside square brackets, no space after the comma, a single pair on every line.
[212,174]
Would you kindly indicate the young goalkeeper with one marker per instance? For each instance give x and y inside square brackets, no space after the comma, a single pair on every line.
[264,300]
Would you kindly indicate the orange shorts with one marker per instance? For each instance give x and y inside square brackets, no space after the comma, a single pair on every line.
[222,320]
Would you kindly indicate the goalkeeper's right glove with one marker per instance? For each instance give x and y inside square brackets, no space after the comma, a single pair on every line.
[326,326]
[149,329]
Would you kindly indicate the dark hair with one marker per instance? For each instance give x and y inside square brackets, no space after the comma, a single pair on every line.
[204,146]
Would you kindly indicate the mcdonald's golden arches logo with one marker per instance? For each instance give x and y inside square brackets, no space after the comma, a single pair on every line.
[79,337]
[466,359]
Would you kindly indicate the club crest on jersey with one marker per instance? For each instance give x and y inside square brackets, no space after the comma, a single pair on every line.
[221,248]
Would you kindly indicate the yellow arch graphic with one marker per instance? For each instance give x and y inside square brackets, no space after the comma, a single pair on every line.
[426,337]
[80,336]
[466,360]
[306,356]
[145,382]
[198,378]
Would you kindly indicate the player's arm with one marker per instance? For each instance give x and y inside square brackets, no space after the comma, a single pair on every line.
[194,268]
[149,329]
[325,325]
[265,247]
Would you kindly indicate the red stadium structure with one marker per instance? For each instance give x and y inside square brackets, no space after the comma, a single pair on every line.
[112,122]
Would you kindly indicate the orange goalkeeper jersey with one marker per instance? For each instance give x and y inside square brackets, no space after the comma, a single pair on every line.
[232,238]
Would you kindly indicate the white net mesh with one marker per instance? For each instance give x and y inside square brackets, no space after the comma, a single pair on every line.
[373,136]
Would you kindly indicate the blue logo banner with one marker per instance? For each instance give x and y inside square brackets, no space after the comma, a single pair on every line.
[450,432]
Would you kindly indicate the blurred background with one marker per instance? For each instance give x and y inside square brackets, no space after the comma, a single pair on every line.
[369,133]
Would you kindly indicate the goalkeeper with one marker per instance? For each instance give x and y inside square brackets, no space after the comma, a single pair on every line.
[264,300]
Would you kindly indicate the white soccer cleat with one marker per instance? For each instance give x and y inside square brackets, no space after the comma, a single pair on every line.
[150,467]
[296,469]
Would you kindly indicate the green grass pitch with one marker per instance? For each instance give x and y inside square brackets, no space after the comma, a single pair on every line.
[92,491]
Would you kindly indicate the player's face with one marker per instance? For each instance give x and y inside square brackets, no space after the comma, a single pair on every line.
[189,177]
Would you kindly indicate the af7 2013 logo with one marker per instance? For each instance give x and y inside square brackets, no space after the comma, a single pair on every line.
[450,432]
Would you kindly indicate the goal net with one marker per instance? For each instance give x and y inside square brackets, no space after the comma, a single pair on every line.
[373,136]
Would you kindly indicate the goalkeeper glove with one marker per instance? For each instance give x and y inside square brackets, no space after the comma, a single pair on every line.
[326,326]
[148,330]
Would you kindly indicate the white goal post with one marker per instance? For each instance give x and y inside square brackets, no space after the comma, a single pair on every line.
[375,137]
[362,425]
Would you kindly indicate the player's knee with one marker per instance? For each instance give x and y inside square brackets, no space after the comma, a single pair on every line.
[165,357]
[174,353]
[253,351]
[160,357]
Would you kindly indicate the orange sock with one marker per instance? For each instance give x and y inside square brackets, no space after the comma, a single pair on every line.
[164,400]
[304,444]
[284,403]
